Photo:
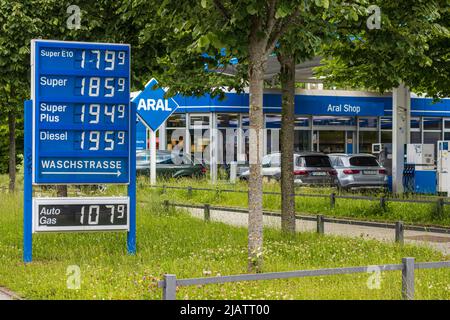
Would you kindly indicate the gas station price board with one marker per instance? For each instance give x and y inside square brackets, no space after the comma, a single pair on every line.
[69,214]
[81,112]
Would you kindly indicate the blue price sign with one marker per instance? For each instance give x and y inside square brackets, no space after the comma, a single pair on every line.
[81,112]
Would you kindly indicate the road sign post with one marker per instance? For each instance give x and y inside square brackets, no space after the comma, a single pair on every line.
[79,129]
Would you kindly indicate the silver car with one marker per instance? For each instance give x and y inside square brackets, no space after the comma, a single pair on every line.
[359,171]
[309,169]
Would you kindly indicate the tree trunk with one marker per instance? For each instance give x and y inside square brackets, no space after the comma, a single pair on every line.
[61,191]
[287,77]
[12,150]
[255,217]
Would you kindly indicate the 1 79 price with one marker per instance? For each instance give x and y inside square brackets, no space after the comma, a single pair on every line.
[90,214]
[100,59]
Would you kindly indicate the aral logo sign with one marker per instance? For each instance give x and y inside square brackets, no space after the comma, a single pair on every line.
[152,107]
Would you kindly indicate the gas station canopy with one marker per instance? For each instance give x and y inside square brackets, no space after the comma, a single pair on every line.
[303,71]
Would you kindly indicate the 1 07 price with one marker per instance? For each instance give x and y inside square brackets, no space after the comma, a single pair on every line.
[91,215]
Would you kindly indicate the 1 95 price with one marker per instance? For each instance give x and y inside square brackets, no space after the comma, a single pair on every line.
[90,215]
[102,140]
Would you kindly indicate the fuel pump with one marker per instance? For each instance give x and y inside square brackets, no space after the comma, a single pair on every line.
[443,167]
[419,175]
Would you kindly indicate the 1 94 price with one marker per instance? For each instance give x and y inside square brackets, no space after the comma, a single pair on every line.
[90,215]
[94,113]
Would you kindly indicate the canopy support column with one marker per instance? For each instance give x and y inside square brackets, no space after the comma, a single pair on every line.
[401,110]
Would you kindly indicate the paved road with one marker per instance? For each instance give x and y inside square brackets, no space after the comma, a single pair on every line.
[437,241]
[7,295]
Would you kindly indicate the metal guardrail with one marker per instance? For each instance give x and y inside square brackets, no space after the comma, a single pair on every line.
[332,196]
[170,283]
[399,227]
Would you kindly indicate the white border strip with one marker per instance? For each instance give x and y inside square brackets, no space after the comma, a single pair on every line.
[79,201]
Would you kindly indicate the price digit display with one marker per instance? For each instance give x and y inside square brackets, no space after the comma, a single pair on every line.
[80,214]
[81,112]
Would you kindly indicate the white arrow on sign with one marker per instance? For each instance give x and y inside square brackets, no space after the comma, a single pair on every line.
[118,173]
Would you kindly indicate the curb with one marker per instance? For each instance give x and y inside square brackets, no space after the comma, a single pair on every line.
[11,295]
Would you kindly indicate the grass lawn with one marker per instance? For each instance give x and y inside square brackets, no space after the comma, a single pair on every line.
[414,213]
[173,242]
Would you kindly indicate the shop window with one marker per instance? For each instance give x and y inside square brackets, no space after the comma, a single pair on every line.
[446,136]
[228,147]
[199,120]
[416,137]
[415,123]
[447,123]
[175,137]
[273,140]
[273,121]
[431,137]
[432,123]
[302,140]
[225,120]
[301,122]
[386,136]
[386,123]
[366,139]
[245,121]
[368,123]
[176,121]
[334,121]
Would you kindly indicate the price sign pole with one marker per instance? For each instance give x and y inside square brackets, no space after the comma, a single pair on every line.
[80,128]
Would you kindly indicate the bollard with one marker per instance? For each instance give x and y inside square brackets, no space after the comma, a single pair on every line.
[383,203]
[440,207]
[206,212]
[399,232]
[332,200]
[408,279]
[320,224]
[170,287]
[166,205]
[163,189]
[233,171]
[189,192]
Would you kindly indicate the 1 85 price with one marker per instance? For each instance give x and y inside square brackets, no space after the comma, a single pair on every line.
[100,87]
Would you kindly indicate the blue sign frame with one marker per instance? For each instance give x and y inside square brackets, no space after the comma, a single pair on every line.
[59,123]
[81,112]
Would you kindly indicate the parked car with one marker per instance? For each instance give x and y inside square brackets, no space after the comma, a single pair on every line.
[310,168]
[169,165]
[359,171]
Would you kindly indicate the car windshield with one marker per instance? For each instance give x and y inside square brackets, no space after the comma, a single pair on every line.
[363,162]
[314,161]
